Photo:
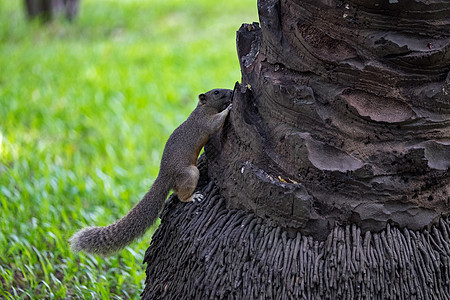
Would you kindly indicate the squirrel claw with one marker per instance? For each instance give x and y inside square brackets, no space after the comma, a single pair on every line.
[197,197]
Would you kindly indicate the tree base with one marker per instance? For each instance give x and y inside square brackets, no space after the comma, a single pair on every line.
[204,250]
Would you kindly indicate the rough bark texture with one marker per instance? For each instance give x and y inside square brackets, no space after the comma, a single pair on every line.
[342,116]
[48,9]
[333,169]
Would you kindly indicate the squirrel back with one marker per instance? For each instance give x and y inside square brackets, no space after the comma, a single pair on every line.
[178,171]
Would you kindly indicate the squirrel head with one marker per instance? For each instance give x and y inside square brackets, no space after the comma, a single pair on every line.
[218,99]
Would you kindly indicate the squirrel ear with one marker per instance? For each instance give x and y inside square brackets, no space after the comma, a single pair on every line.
[202,98]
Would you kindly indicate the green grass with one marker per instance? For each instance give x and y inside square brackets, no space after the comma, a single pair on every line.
[85,110]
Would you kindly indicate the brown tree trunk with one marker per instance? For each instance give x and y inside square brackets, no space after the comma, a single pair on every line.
[48,9]
[334,166]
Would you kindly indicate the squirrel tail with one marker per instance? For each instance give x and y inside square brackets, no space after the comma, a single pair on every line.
[110,239]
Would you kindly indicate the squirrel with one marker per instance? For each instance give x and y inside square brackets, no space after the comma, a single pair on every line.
[178,172]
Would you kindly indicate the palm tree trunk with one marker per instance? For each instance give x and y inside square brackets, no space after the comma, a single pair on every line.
[46,10]
[335,158]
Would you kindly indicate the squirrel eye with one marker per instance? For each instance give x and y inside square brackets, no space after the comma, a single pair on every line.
[216,92]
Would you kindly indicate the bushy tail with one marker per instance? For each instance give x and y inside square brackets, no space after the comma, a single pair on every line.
[112,238]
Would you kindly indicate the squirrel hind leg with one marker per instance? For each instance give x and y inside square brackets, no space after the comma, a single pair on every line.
[186,182]
[197,197]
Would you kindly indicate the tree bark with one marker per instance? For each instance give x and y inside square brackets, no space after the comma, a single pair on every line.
[346,118]
[334,164]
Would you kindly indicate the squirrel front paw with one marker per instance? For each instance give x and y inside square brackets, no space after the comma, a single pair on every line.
[230,106]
